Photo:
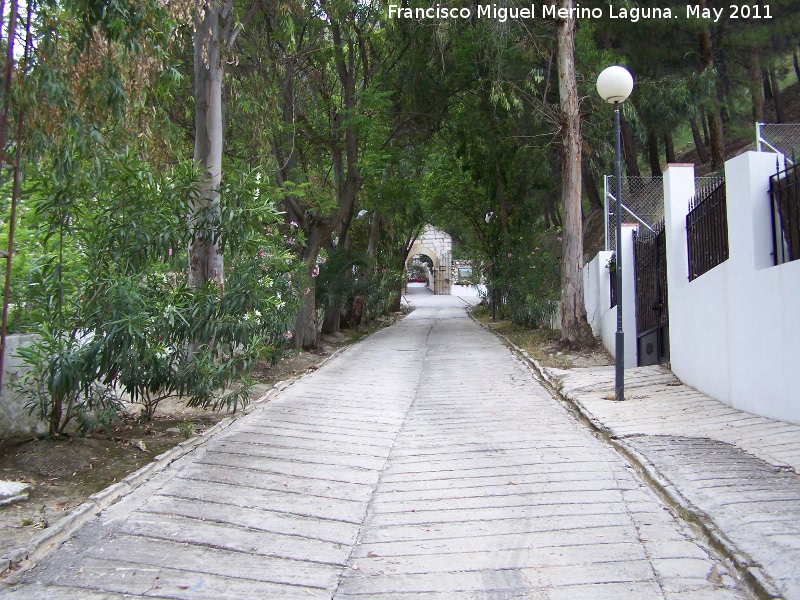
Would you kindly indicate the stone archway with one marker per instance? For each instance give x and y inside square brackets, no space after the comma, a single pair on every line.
[438,246]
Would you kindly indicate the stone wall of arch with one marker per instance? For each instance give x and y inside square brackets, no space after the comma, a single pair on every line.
[438,246]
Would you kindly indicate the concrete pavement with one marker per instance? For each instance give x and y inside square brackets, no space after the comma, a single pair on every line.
[424,462]
[733,473]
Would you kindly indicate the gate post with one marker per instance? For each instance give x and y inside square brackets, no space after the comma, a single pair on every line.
[679,188]
[629,294]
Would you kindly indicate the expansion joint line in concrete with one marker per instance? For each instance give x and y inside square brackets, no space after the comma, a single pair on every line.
[389,454]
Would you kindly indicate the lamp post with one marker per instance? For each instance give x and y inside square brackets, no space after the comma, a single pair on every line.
[614,85]
[489,216]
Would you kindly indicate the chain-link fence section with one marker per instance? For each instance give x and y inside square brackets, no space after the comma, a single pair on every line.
[779,137]
[642,203]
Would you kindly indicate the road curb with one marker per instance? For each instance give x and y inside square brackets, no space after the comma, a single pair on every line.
[21,559]
[750,574]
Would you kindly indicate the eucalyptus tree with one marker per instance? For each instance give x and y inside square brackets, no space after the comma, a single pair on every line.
[574,326]
[216,26]
[106,196]
[321,63]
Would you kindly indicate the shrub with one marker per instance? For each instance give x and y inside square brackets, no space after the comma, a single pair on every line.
[528,279]
[110,294]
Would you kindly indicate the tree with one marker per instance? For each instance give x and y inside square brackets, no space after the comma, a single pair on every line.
[575,328]
[352,91]
[215,32]
[106,202]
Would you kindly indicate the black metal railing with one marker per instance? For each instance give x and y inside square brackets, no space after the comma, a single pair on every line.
[707,229]
[784,194]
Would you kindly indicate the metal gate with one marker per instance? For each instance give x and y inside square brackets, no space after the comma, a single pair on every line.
[652,312]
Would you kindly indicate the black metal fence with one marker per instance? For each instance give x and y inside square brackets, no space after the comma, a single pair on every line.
[785,197]
[650,259]
[652,310]
[707,229]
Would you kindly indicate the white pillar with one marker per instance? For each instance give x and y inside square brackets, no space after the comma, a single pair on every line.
[749,217]
[698,320]
[678,190]
[629,296]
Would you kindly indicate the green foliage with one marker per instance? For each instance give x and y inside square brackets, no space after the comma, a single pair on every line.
[60,385]
[416,272]
[341,277]
[414,121]
[527,278]
[385,285]
[110,294]
[345,276]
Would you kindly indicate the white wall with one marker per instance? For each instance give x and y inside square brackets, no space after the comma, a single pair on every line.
[596,291]
[597,299]
[735,330]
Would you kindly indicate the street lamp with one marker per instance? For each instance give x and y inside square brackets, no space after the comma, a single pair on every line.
[614,85]
[489,216]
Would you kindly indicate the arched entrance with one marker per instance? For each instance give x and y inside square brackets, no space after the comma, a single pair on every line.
[436,245]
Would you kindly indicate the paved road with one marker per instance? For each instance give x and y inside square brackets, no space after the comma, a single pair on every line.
[425,462]
[734,472]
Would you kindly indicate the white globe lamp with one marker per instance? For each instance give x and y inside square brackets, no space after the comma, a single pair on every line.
[615,84]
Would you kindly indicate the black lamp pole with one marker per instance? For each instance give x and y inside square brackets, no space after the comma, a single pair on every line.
[619,348]
[492,298]
[614,85]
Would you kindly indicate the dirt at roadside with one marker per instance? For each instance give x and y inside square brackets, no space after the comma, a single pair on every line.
[545,345]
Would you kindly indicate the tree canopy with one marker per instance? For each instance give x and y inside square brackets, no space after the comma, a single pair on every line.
[203,184]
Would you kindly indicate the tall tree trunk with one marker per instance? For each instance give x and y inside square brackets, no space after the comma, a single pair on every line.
[780,116]
[704,123]
[501,196]
[796,65]
[702,151]
[717,140]
[374,235]
[756,90]
[575,328]
[332,322]
[346,178]
[288,164]
[669,147]
[305,323]
[592,193]
[652,153]
[630,148]
[499,178]
[205,256]
[714,117]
